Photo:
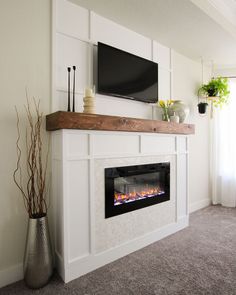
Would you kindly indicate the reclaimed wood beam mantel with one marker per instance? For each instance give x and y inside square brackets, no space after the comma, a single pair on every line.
[70,120]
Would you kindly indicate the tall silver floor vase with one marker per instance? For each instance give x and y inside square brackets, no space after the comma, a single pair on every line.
[38,260]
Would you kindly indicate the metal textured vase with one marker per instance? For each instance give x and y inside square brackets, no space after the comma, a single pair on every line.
[180,109]
[38,261]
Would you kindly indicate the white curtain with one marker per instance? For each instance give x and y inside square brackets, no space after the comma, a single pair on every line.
[223,152]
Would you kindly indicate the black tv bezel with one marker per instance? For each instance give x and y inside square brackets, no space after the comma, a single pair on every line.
[146,100]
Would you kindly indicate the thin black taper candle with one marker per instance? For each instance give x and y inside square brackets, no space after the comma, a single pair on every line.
[68,108]
[73,107]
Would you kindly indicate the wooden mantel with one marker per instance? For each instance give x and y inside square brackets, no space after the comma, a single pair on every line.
[70,120]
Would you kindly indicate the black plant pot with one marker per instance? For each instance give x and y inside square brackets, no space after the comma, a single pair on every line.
[212,93]
[202,107]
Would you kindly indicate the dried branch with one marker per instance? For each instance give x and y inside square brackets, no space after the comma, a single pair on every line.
[34,193]
[18,169]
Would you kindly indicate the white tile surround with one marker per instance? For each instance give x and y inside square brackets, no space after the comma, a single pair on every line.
[84,239]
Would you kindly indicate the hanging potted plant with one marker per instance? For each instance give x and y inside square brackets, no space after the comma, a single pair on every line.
[216,91]
[38,262]
[202,106]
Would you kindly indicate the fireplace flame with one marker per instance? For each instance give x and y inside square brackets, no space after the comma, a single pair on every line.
[121,198]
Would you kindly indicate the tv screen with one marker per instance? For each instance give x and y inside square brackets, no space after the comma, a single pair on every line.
[126,75]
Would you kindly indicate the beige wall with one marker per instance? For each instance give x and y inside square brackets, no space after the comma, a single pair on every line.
[187,77]
[24,62]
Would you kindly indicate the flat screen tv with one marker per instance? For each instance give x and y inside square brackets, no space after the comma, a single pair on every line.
[126,75]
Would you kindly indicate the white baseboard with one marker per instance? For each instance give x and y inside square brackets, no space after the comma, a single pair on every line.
[11,275]
[199,205]
[81,266]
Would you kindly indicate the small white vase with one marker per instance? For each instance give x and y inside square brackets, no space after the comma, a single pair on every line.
[174,118]
[180,109]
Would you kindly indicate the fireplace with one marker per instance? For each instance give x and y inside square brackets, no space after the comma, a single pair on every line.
[134,187]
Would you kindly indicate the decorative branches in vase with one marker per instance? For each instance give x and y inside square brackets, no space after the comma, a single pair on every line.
[38,263]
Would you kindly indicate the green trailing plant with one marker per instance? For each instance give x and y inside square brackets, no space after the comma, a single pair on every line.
[218,88]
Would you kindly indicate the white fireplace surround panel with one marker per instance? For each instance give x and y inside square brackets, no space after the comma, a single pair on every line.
[84,239]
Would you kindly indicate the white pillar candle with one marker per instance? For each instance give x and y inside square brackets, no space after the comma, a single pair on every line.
[88,92]
[89,101]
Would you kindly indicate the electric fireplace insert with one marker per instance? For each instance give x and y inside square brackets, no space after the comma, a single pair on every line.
[133,187]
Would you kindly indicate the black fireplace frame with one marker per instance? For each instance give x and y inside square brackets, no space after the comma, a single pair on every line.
[111,173]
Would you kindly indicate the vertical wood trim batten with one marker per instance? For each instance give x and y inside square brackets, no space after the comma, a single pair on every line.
[90,56]
[187,176]
[91,197]
[176,186]
[65,199]
[140,144]
[152,50]
[171,74]
[89,25]
[53,55]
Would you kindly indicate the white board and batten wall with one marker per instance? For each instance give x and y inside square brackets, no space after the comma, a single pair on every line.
[84,240]
[76,31]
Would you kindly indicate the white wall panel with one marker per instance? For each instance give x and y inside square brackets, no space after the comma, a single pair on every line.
[157,144]
[186,80]
[161,55]
[78,208]
[72,52]
[164,84]
[182,185]
[77,145]
[107,31]
[181,144]
[57,146]
[116,144]
[61,102]
[108,105]
[72,19]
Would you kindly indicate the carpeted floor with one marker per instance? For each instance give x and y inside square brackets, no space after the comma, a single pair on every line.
[198,260]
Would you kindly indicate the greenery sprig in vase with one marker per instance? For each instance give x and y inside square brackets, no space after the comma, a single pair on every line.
[165,105]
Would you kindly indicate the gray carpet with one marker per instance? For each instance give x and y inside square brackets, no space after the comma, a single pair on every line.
[198,260]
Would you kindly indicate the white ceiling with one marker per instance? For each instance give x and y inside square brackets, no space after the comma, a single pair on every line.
[195,28]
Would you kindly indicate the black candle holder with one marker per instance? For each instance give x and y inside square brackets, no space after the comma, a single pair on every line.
[68,107]
[73,106]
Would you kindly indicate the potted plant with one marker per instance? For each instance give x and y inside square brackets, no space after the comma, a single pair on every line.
[202,107]
[217,90]
[38,263]
[165,105]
